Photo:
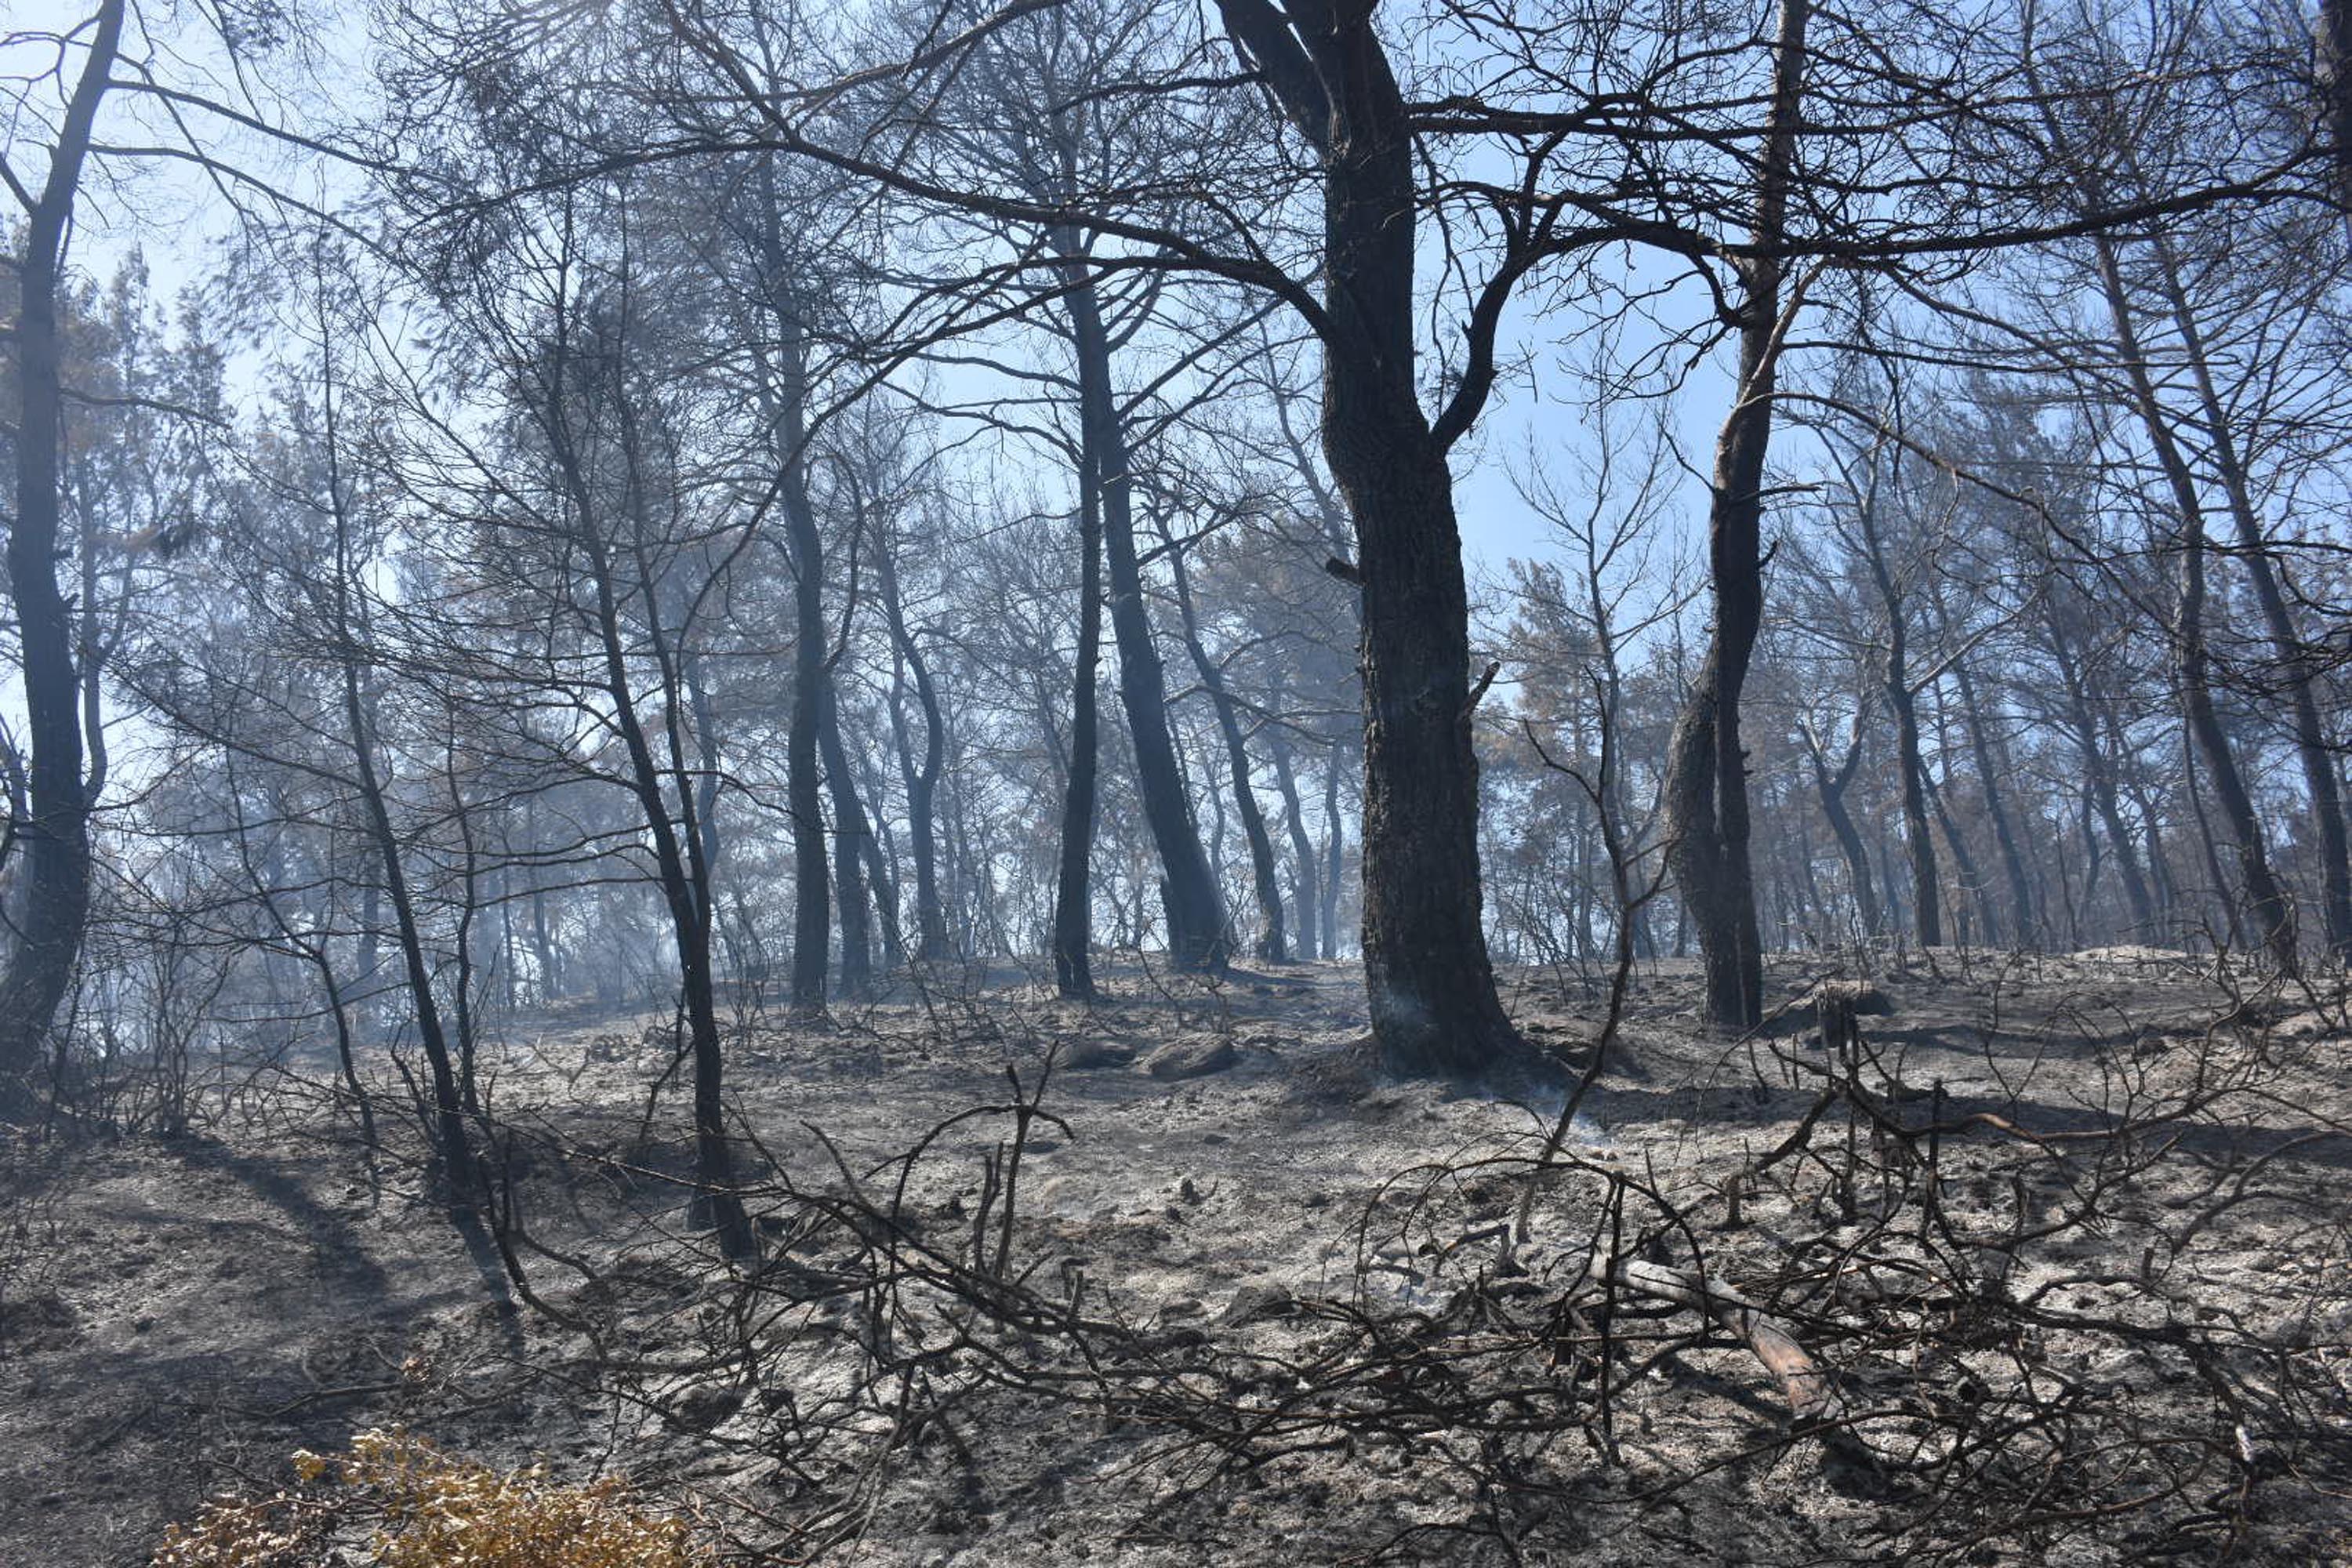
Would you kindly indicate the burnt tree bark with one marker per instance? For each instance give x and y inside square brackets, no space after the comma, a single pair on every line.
[1073,897]
[1197,934]
[1706,792]
[2273,916]
[1304,891]
[1274,942]
[1833,787]
[2292,655]
[53,835]
[1427,972]
[921,780]
[804,787]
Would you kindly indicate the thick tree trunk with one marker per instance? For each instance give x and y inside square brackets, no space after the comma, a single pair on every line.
[1706,792]
[55,836]
[1427,973]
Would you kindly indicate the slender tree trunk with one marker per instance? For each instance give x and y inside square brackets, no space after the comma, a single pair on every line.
[1198,936]
[803,787]
[921,782]
[2292,655]
[1335,856]
[1833,788]
[2023,923]
[2098,776]
[1706,792]
[1302,850]
[55,836]
[1273,942]
[852,836]
[2274,918]
[1074,895]
[1964,863]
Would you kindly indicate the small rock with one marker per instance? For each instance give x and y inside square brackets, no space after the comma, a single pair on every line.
[1088,1054]
[704,1406]
[1255,1303]
[1195,1056]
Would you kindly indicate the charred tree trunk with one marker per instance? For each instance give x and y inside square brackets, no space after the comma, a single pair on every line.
[1918,834]
[55,835]
[1706,791]
[1426,970]
[1274,942]
[1198,937]
[2274,919]
[852,836]
[2012,858]
[1964,863]
[804,788]
[921,780]
[1304,891]
[665,795]
[1833,788]
[1335,856]
[1073,897]
[445,1116]
[2292,655]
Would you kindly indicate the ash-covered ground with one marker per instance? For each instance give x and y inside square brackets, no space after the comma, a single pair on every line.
[2051,1264]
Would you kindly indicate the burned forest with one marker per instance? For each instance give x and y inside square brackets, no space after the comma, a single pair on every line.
[937,783]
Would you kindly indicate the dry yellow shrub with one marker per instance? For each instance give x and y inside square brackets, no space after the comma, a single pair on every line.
[431,1511]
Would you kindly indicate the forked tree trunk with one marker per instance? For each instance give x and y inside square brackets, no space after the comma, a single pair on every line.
[2272,918]
[1304,897]
[1429,979]
[921,780]
[1832,786]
